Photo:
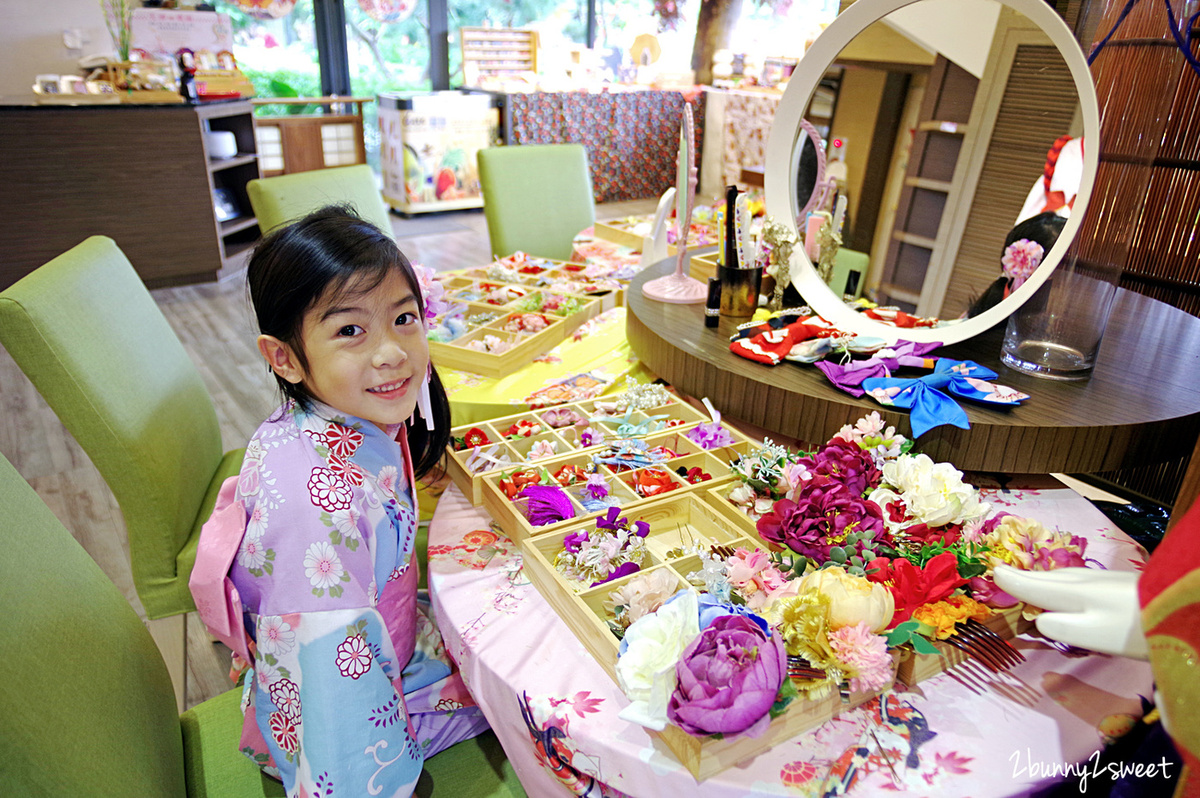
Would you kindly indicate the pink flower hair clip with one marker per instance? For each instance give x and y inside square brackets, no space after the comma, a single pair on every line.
[1021,258]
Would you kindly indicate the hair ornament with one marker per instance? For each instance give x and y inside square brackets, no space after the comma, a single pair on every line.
[1021,258]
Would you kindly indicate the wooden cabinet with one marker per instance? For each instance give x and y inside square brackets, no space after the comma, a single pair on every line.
[138,174]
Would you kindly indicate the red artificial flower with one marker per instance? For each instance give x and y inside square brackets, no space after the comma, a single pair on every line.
[475,437]
[912,586]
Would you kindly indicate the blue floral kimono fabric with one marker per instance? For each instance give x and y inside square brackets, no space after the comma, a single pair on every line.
[927,397]
[350,686]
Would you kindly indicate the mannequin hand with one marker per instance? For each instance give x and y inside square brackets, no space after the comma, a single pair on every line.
[1084,607]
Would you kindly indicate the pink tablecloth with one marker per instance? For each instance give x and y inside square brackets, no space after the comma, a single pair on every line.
[963,733]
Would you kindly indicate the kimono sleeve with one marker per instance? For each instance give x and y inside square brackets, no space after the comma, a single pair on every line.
[323,700]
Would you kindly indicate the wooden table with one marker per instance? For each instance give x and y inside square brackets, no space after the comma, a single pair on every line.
[1140,406]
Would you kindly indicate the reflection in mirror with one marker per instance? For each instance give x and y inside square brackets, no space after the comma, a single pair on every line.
[945,111]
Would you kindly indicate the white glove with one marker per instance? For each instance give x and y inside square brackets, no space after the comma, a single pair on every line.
[1085,607]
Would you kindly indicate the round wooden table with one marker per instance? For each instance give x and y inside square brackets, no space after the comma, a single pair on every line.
[1140,406]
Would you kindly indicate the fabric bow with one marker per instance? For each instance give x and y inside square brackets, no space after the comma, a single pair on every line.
[850,376]
[771,341]
[926,400]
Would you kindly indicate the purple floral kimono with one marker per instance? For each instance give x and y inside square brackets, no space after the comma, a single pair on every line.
[306,570]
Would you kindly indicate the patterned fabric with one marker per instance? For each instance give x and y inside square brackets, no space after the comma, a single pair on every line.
[631,137]
[968,732]
[748,119]
[350,687]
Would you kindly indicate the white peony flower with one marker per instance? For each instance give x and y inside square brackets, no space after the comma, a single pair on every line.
[646,671]
[934,493]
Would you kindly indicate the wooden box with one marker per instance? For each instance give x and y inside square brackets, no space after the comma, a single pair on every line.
[701,267]
[512,515]
[457,353]
[681,521]
[566,439]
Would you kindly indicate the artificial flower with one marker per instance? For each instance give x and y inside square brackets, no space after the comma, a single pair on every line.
[653,482]
[1021,258]
[542,449]
[944,616]
[712,608]
[864,656]
[641,595]
[647,657]
[728,678]
[1027,544]
[984,589]
[819,519]
[709,436]
[933,493]
[746,499]
[803,623]
[912,586]
[754,576]
[872,434]
[853,599]
[763,469]
[841,461]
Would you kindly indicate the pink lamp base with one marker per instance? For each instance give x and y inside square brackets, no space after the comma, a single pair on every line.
[677,288]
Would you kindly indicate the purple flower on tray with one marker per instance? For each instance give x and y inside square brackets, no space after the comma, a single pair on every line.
[728,678]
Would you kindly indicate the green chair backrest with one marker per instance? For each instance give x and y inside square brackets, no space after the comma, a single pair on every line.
[536,198]
[86,705]
[90,337]
[279,200]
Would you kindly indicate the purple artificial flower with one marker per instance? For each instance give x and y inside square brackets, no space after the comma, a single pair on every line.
[728,678]
[825,512]
[624,569]
[596,486]
[613,521]
[574,541]
[846,462]
[709,436]
[1047,558]
[548,504]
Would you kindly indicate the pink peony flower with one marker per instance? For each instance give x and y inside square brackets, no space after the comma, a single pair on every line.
[820,518]
[844,461]
[728,678]
[753,575]
[863,653]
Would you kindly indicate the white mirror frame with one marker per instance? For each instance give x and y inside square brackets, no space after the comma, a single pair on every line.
[780,178]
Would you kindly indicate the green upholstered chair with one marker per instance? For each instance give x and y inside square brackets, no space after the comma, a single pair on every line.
[91,339]
[536,198]
[279,200]
[86,704]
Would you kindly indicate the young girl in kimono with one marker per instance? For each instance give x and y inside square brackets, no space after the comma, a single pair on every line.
[307,568]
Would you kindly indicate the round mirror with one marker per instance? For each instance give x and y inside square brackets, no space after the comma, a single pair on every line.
[943,114]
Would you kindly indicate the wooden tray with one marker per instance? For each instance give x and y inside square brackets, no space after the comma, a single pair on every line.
[511,515]
[566,439]
[679,520]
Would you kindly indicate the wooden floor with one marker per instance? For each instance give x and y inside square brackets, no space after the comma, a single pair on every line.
[215,324]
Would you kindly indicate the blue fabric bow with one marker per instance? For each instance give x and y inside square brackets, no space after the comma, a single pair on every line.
[926,397]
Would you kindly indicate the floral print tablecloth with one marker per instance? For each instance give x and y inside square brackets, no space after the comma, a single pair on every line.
[631,136]
[966,732]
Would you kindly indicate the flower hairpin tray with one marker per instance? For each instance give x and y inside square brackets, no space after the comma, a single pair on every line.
[501,346]
[524,438]
[668,542]
[551,494]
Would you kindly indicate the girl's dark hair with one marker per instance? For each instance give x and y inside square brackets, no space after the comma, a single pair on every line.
[1043,229]
[334,250]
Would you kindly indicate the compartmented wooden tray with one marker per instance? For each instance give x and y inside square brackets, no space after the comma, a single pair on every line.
[678,525]
[565,439]
[557,276]
[513,515]
[474,297]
